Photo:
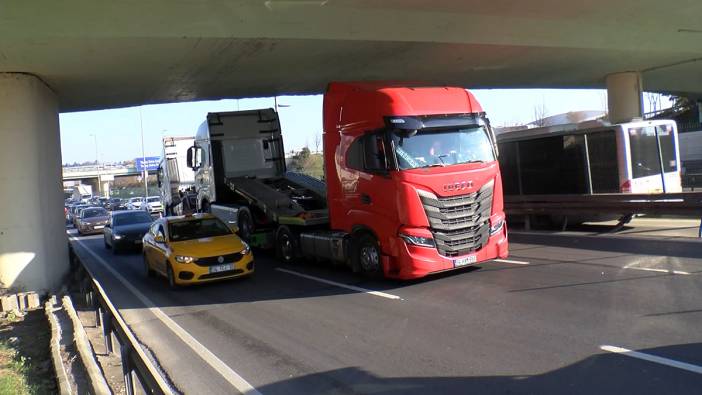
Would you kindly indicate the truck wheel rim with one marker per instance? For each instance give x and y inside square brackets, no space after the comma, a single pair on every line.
[286,247]
[370,259]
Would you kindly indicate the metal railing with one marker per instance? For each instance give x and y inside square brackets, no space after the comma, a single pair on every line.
[137,367]
[689,203]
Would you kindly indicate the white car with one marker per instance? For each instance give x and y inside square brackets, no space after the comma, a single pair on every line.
[135,203]
[154,204]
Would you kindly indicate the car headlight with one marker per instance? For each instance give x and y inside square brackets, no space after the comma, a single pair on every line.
[497,226]
[418,240]
[117,237]
[184,259]
[247,248]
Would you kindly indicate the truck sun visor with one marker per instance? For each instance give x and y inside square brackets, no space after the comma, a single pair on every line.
[434,121]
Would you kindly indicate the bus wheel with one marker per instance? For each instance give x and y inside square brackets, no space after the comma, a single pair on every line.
[367,256]
[285,245]
[245,223]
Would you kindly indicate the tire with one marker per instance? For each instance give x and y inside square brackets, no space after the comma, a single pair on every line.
[205,207]
[107,246]
[245,223]
[286,245]
[171,278]
[367,256]
[147,268]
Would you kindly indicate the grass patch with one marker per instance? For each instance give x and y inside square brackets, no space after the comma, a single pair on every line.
[25,358]
[14,370]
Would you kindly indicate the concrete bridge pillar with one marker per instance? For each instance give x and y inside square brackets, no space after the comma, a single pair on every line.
[33,245]
[624,96]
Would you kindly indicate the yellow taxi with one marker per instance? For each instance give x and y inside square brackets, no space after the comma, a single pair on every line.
[194,249]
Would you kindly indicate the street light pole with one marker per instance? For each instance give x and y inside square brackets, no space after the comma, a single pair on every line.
[96,149]
[143,159]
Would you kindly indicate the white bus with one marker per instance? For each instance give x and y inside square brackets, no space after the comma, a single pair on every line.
[591,157]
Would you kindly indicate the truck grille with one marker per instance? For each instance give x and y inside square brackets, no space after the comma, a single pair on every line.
[460,224]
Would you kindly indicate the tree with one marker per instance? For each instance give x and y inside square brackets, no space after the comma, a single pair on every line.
[540,114]
[317,141]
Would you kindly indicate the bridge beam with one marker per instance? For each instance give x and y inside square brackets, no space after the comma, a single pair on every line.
[33,245]
[624,96]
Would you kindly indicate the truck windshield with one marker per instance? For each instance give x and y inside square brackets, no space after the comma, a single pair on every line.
[442,147]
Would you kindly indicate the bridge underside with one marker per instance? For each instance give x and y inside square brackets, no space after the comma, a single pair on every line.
[101,56]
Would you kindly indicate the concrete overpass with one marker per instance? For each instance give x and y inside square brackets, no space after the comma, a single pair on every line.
[89,55]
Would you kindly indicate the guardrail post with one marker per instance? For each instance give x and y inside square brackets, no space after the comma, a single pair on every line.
[127,369]
[98,313]
[107,331]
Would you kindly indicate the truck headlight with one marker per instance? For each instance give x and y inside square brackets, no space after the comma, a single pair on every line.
[497,226]
[418,240]
[184,259]
[247,248]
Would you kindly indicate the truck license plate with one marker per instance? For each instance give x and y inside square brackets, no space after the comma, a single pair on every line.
[220,268]
[465,261]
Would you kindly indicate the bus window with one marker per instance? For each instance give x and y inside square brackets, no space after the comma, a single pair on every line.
[602,149]
[644,150]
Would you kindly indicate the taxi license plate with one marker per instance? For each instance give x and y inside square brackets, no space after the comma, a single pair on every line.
[465,261]
[220,268]
[99,226]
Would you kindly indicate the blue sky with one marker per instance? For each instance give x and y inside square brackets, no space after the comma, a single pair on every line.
[118,137]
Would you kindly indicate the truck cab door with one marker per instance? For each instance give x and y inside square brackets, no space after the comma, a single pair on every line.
[373,203]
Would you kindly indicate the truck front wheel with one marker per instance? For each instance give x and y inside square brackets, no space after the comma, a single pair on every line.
[367,256]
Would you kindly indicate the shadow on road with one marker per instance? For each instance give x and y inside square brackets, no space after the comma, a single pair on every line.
[593,375]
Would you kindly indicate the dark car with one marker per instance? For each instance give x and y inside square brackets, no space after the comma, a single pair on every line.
[126,229]
[116,204]
[92,220]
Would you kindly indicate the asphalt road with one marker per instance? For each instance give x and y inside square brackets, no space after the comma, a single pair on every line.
[556,319]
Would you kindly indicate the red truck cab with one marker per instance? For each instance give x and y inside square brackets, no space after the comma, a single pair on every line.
[412,175]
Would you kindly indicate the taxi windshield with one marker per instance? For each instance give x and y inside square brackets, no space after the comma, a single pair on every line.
[197,229]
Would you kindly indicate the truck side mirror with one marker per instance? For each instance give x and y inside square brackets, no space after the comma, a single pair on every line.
[189,160]
[158,176]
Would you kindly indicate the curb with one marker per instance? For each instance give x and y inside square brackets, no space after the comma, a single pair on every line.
[55,346]
[97,380]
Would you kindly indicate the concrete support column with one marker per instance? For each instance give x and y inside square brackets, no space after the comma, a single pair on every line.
[624,96]
[33,244]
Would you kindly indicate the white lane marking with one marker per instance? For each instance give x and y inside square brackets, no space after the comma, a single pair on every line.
[652,358]
[650,269]
[511,261]
[230,375]
[341,285]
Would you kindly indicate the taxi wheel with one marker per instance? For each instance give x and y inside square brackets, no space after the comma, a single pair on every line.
[147,268]
[171,278]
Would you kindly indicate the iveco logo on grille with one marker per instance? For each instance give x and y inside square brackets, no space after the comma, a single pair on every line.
[458,186]
[220,259]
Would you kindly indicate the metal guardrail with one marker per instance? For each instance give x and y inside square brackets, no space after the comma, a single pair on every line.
[689,203]
[137,367]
